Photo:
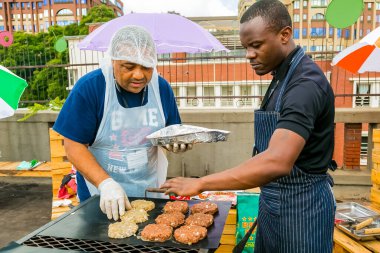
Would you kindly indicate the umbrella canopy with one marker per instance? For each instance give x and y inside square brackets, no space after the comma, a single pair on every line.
[11,89]
[363,56]
[171,33]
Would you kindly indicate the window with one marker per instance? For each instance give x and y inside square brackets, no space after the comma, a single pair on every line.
[361,33]
[318,32]
[378,18]
[347,34]
[304,16]
[245,90]
[361,18]
[1,28]
[339,33]
[364,148]
[296,5]
[304,32]
[1,5]
[304,48]
[364,89]
[377,6]
[369,6]
[208,91]
[369,19]
[296,33]
[319,3]
[305,4]
[339,48]
[318,16]
[176,94]
[368,31]
[227,90]
[331,32]
[1,17]
[65,12]
[191,94]
[296,18]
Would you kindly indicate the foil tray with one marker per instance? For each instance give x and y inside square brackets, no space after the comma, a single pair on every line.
[185,134]
[352,211]
[347,227]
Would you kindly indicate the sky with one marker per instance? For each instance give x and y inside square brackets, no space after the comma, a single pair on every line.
[188,8]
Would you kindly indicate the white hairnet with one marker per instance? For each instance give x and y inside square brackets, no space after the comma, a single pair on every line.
[133,44]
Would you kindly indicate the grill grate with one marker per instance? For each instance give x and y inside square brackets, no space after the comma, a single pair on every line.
[98,246]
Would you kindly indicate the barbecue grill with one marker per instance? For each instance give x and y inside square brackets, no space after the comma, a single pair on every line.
[85,229]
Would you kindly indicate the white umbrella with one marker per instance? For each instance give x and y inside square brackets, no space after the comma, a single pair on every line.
[363,56]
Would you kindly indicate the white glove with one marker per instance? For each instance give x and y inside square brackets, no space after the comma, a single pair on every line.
[113,200]
[175,147]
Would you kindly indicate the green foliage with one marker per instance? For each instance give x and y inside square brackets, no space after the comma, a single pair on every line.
[33,57]
[54,105]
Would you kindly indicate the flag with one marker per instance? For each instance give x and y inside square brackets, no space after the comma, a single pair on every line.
[11,89]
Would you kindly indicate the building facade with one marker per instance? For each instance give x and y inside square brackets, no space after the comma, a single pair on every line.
[312,31]
[38,15]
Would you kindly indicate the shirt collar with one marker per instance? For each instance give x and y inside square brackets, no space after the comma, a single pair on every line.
[283,68]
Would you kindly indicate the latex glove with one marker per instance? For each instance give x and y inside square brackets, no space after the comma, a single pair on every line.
[113,200]
[175,147]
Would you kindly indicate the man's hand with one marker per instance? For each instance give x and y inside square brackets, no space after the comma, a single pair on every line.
[113,200]
[176,148]
[183,186]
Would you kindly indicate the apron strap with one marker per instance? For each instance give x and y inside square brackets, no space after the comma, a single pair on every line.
[294,63]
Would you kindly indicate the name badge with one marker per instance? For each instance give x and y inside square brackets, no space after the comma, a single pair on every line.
[137,159]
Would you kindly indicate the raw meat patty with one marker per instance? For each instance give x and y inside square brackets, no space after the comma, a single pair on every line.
[190,234]
[204,207]
[174,219]
[156,232]
[176,206]
[200,219]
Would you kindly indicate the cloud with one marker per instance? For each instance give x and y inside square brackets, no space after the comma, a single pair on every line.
[188,8]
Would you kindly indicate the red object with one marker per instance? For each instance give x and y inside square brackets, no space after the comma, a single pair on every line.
[68,187]
[3,36]
[176,197]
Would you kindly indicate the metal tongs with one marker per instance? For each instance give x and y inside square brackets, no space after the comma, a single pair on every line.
[159,190]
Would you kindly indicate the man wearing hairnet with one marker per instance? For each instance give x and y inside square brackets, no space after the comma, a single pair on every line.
[107,116]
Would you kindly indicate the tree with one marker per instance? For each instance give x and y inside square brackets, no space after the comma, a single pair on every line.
[31,51]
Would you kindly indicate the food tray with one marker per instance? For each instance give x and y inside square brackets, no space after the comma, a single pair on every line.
[352,211]
[185,134]
[346,227]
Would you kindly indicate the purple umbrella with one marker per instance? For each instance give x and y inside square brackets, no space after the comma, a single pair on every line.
[171,33]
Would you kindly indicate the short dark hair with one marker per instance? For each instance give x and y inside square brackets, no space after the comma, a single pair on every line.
[273,12]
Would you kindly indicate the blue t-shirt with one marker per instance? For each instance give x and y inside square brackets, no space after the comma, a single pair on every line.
[82,112]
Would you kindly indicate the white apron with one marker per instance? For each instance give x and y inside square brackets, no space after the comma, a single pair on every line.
[120,146]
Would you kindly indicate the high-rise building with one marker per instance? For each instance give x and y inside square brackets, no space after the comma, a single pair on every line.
[37,15]
[313,32]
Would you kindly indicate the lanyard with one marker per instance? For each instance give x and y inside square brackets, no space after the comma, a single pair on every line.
[125,99]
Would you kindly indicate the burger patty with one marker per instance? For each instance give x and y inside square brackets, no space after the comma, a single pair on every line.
[156,232]
[120,230]
[200,219]
[176,206]
[190,234]
[204,207]
[135,215]
[174,219]
[143,204]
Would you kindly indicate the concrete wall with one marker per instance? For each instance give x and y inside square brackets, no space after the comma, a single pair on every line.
[30,140]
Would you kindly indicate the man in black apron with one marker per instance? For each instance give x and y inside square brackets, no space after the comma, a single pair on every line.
[294,141]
